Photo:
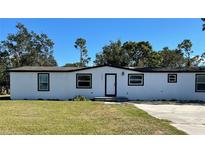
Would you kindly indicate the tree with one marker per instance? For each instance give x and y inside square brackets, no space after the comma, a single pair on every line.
[80,44]
[154,59]
[4,66]
[126,54]
[203,26]
[171,58]
[72,65]
[137,52]
[112,54]
[29,49]
[186,48]
[198,60]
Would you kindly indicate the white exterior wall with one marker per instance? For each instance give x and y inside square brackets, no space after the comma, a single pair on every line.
[63,85]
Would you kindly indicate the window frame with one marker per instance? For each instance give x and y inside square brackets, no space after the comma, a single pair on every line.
[48,89]
[84,87]
[196,90]
[135,84]
[168,78]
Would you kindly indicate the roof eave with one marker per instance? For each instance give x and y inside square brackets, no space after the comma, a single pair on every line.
[87,68]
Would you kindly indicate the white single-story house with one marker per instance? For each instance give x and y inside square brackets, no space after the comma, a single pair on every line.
[107,81]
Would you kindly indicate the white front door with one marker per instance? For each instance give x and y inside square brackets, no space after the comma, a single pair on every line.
[110,84]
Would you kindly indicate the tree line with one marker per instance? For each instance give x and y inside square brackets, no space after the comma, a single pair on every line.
[141,54]
[27,48]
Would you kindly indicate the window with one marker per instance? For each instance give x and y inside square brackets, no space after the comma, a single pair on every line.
[43,82]
[200,83]
[135,79]
[172,78]
[84,81]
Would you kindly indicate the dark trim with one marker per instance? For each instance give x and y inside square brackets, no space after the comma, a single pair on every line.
[135,74]
[90,74]
[168,78]
[48,82]
[196,84]
[130,69]
[106,74]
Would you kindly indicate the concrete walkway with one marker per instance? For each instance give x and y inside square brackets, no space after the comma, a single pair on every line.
[189,118]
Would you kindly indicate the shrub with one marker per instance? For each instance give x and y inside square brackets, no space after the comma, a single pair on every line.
[80,98]
[4,90]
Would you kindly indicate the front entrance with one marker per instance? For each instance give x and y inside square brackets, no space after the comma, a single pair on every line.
[110,84]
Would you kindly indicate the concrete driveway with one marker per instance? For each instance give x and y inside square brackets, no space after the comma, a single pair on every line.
[189,118]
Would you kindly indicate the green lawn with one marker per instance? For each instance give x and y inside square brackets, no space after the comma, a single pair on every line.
[64,117]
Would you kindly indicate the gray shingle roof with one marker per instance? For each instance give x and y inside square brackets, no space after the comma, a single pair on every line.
[72,69]
[149,69]
[43,68]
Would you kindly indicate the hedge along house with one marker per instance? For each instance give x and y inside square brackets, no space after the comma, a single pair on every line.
[107,81]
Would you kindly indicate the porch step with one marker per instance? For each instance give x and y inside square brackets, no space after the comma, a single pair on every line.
[4,97]
[111,99]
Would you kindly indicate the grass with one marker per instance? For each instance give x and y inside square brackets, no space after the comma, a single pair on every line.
[64,117]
